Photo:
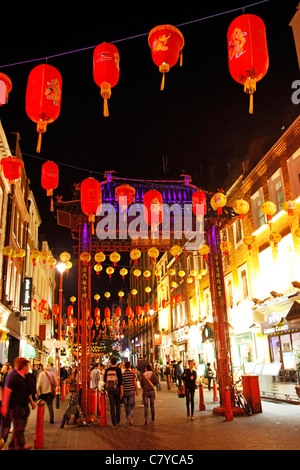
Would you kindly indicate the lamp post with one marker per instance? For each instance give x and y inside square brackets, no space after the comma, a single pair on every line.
[61,267]
[151,313]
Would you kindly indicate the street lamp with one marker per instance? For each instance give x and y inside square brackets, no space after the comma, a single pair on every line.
[61,267]
[151,313]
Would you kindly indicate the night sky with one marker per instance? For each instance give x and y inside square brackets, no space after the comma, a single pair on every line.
[200,121]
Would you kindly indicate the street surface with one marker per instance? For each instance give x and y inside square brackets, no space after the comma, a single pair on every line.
[276,428]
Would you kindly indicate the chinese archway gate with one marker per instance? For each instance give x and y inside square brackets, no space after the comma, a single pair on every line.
[69,214]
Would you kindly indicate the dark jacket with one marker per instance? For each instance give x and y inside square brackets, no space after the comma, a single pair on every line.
[146,386]
[189,379]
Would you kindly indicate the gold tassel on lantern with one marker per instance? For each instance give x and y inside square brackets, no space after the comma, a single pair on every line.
[250,88]
[50,193]
[163,68]
[41,128]
[106,94]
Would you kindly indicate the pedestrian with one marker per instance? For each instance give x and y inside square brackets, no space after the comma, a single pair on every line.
[101,381]
[45,382]
[141,367]
[95,376]
[16,397]
[130,389]
[157,372]
[209,374]
[167,374]
[114,387]
[179,372]
[148,382]
[189,378]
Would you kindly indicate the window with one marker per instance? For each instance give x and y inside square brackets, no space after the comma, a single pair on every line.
[256,201]
[238,232]
[294,172]
[276,190]
[229,290]
[243,282]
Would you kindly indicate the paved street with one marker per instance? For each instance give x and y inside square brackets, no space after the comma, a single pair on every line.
[276,428]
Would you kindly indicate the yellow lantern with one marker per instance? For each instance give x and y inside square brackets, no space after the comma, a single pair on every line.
[148,290]
[123,272]
[137,273]
[135,254]
[68,266]
[189,280]
[98,268]
[134,292]
[153,253]
[97,297]
[289,207]
[199,277]
[20,253]
[172,272]
[34,256]
[114,258]
[181,273]
[175,251]
[110,270]
[158,273]
[203,250]
[99,257]
[147,274]
[249,240]
[85,257]
[193,273]
[51,262]
[7,251]
[73,299]
[44,256]
[275,238]
[107,295]
[241,207]
[121,294]
[217,202]
[65,256]
[268,208]
[174,284]
[225,247]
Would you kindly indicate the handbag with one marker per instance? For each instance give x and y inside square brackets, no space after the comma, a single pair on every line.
[181,391]
[53,388]
[155,396]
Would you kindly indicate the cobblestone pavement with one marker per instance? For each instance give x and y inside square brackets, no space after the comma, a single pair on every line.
[276,428]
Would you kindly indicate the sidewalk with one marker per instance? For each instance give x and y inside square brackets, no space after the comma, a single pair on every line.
[277,427]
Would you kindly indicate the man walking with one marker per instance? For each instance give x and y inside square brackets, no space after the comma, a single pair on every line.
[46,380]
[16,397]
[114,387]
[130,388]
[95,376]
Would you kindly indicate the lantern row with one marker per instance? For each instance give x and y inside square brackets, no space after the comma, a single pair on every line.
[247,58]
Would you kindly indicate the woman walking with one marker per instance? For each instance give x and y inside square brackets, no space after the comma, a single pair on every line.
[45,382]
[148,381]
[189,378]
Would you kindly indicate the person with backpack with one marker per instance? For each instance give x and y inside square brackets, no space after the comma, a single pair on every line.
[114,388]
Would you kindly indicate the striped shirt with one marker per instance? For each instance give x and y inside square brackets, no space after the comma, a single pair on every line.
[128,381]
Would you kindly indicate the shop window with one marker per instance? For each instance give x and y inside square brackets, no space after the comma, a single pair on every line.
[238,232]
[276,189]
[229,290]
[294,172]
[243,282]
[256,201]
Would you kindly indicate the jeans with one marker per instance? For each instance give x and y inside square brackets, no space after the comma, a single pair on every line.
[129,402]
[19,416]
[189,395]
[115,405]
[48,398]
[149,395]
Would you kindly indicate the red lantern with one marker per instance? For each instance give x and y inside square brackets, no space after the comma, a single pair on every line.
[247,52]
[12,168]
[199,203]
[106,313]
[70,310]
[43,97]
[166,43]
[91,198]
[5,88]
[125,195]
[164,303]
[118,312]
[106,70]
[49,179]
[153,207]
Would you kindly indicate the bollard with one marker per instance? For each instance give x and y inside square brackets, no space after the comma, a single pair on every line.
[103,420]
[93,401]
[216,399]
[98,402]
[227,405]
[201,398]
[63,391]
[39,430]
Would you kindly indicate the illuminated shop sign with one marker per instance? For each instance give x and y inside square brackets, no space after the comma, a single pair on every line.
[26,293]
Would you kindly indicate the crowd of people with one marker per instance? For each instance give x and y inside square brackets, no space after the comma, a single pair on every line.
[21,386]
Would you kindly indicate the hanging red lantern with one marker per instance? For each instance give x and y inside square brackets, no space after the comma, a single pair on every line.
[106,70]
[91,198]
[12,169]
[106,313]
[43,97]
[124,195]
[199,203]
[5,88]
[97,312]
[166,43]
[247,52]
[49,179]
[153,208]
[70,311]
[118,312]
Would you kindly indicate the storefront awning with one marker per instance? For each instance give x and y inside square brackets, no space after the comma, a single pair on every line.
[294,312]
